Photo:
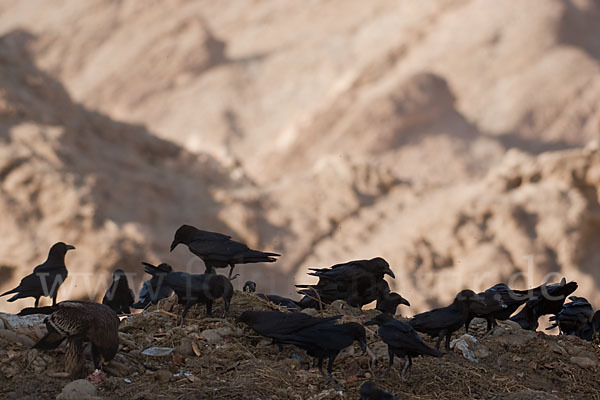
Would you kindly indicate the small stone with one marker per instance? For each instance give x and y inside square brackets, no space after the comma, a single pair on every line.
[211,335]
[226,331]
[77,390]
[583,362]
[157,351]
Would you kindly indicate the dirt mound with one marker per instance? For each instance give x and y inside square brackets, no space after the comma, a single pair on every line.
[238,364]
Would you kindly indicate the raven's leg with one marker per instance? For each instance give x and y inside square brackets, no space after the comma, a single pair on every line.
[406,369]
[209,304]
[391,357]
[54,298]
[468,322]
[231,267]
[320,365]
[448,336]
[185,310]
[37,301]
[280,348]
[440,336]
[491,324]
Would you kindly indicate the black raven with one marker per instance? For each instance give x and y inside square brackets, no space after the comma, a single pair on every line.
[543,300]
[218,250]
[249,287]
[46,278]
[390,302]
[325,340]
[444,321]
[368,391]
[575,318]
[79,322]
[155,288]
[279,300]
[118,296]
[272,323]
[356,282]
[402,341]
[497,303]
[196,288]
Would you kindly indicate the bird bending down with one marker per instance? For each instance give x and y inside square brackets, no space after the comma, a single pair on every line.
[575,318]
[118,296]
[543,300]
[402,341]
[271,324]
[326,340]
[444,321]
[46,278]
[497,303]
[218,250]
[196,288]
[155,288]
[80,322]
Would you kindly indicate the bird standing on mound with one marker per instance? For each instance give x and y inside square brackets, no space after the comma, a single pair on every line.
[575,318]
[543,300]
[118,296]
[46,278]
[444,321]
[155,288]
[402,341]
[218,250]
[356,282]
[272,323]
[79,322]
[497,303]
[390,302]
[196,288]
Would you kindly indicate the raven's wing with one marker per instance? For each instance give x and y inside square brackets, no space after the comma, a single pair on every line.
[402,335]
[229,251]
[439,318]
[326,335]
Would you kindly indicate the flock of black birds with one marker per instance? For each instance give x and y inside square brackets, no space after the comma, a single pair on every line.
[357,283]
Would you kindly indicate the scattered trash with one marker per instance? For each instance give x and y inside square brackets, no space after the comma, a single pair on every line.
[158,351]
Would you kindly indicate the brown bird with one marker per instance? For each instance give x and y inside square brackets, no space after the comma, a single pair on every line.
[79,322]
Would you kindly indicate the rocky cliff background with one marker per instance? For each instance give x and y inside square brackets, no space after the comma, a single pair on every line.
[458,139]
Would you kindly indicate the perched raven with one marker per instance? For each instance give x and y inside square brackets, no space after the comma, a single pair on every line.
[497,303]
[46,278]
[402,341]
[444,321]
[390,302]
[279,300]
[196,288]
[155,288]
[118,296]
[356,282]
[272,323]
[575,318]
[218,250]
[543,300]
[249,287]
[79,322]
[368,391]
[325,340]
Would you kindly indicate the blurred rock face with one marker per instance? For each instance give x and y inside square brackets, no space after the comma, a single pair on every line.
[446,137]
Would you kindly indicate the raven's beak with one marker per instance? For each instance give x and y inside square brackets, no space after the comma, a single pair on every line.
[389,272]
[405,302]
[69,247]
[174,244]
